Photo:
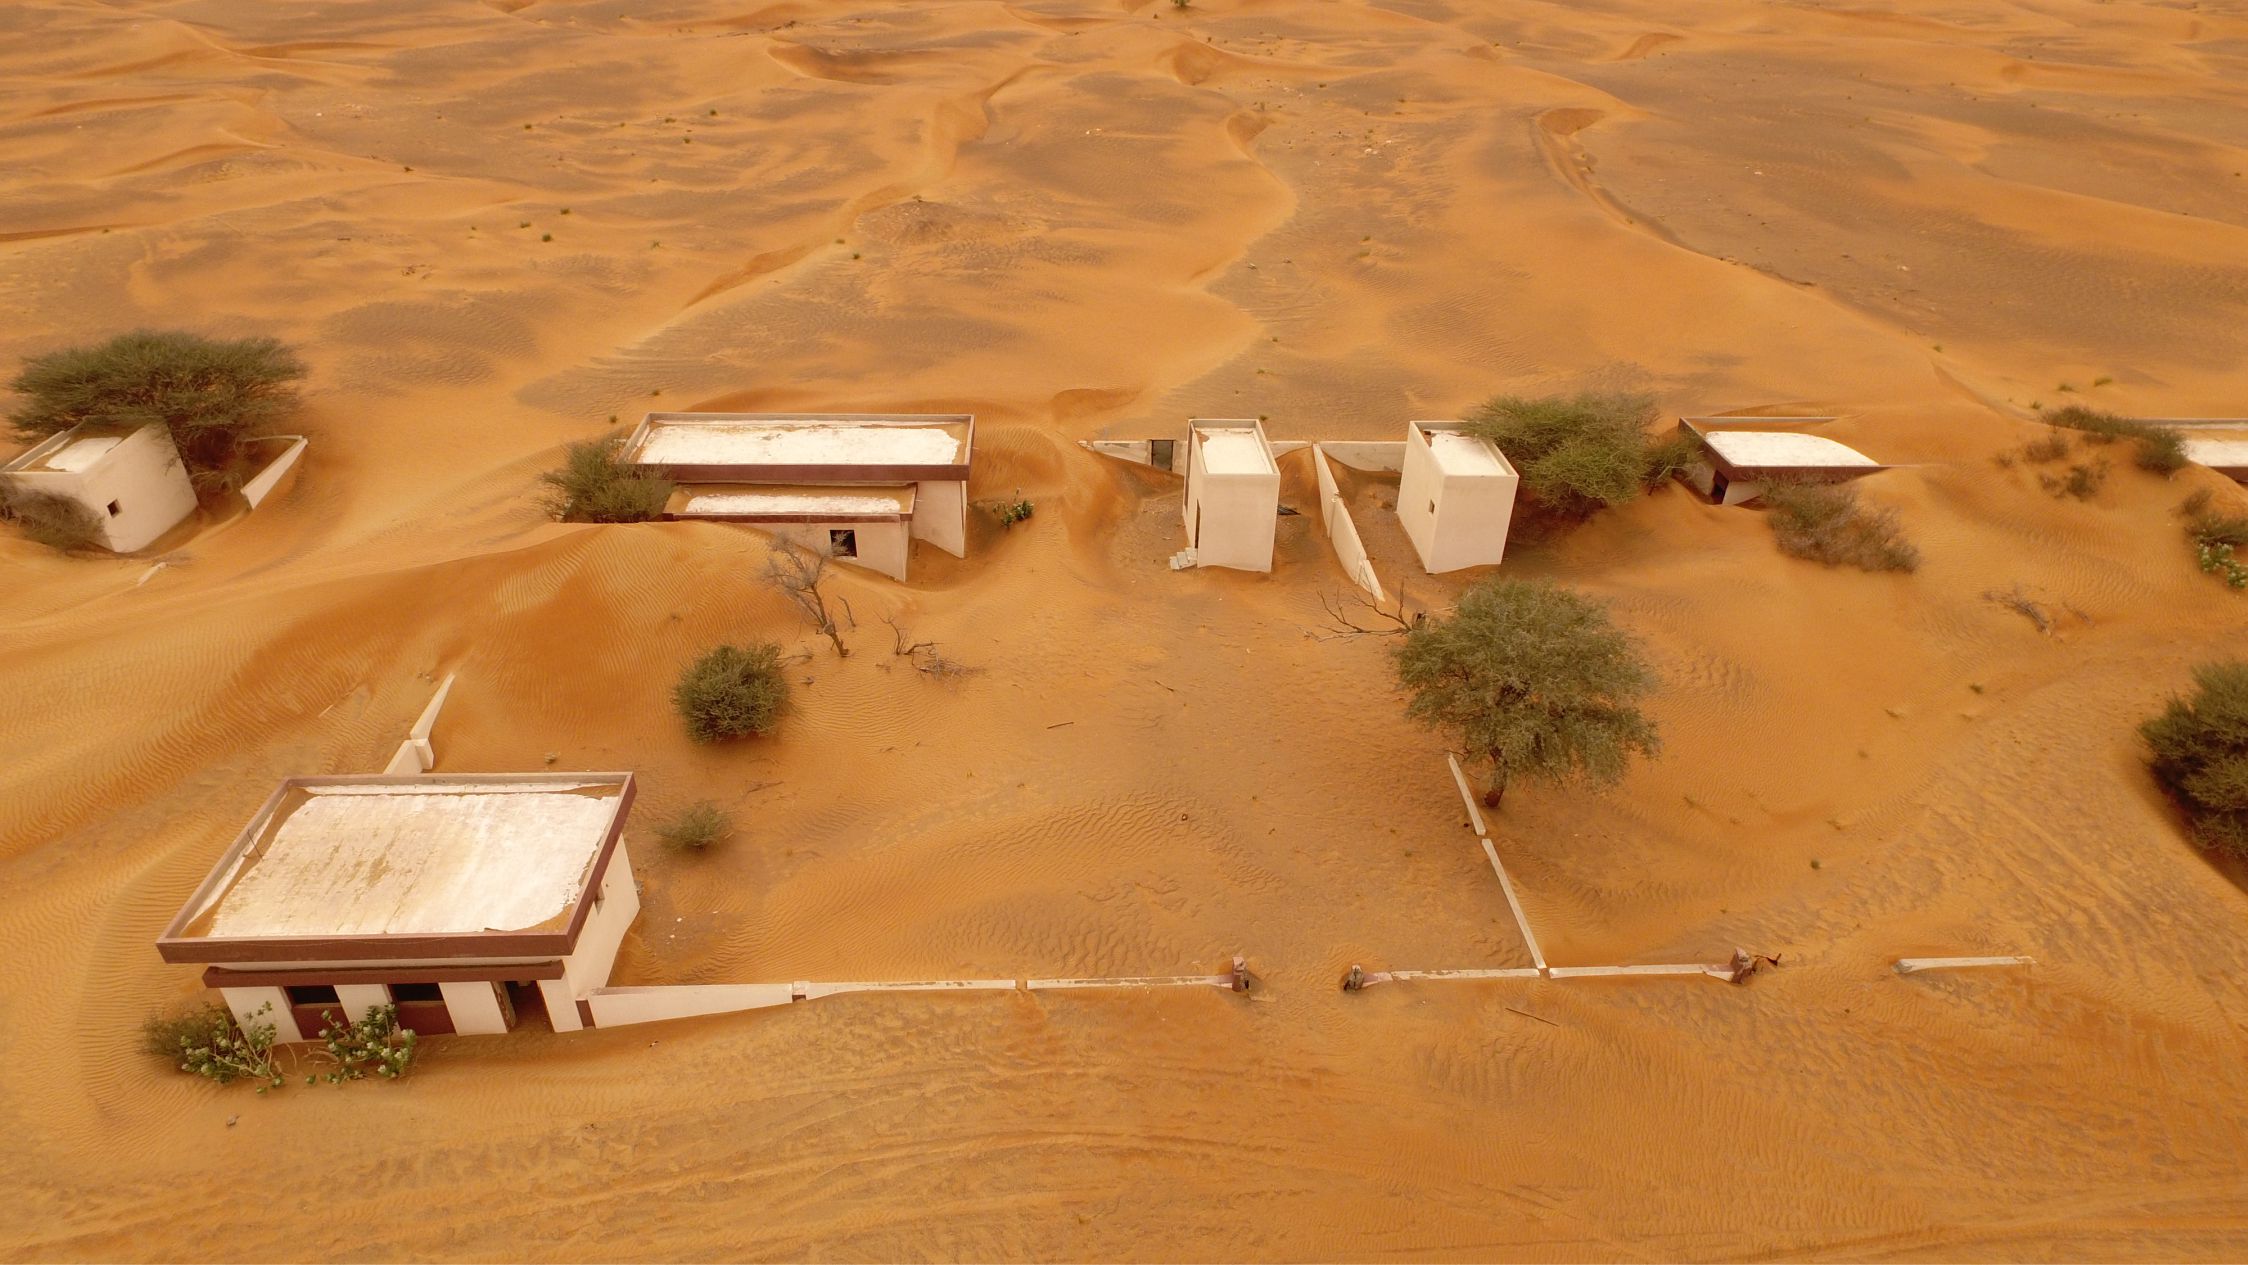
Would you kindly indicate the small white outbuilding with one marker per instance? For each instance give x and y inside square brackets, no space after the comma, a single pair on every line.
[131,479]
[1232,504]
[1455,496]
[1738,463]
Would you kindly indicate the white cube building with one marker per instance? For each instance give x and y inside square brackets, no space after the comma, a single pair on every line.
[1455,497]
[860,486]
[130,479]
[1232,505]
[458,898]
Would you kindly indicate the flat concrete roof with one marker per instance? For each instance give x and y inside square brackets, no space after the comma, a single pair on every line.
[1459,454]
[801,440]
[1235,450]
[72,451]
[2221,453]
[402,856]
[783,503]
[1778,450]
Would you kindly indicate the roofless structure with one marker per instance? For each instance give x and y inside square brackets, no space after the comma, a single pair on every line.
[459,898]
[861,486]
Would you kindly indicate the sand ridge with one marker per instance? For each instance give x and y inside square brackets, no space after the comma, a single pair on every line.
[1078,218]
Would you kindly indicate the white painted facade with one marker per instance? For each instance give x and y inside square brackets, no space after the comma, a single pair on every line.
[1455,497]
[134,484]
[1232,504]
[879,547]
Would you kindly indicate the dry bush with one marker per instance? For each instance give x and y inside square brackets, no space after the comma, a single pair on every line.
[1825,523]
[2053,447]
[56,522]
[2159,449]
[2083,480]
[732,692]
[697,827]
[1673,454]
[2200,755]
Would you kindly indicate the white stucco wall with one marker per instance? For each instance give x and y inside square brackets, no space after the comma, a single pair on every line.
[474,1006]
[940,516]
[882,547]
[616,1006]
[246,1002]
[588,968]
[1342,533]
[1454,519]
[142,476]
[1230,518]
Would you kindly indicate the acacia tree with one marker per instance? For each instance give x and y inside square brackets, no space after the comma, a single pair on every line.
[2200,748]
[1577,454]
[210,394]
[1534,680]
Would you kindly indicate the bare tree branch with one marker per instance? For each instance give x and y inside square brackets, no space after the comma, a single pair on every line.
[797,573]
[1393,622]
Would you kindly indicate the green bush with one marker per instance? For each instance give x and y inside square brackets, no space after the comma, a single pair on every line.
[211,394]
[596,485]
[2200,755]
[1673,454]
[697,827]
[731,692]
[1015,511]
[2208,526]
[1532,680]
[1577,454]
[1824,523]
[56,522]
[2159,449]
[205,1041]
[374,1043]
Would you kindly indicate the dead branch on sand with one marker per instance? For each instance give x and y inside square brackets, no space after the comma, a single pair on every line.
[1393,622]
[797,573]
[924,655]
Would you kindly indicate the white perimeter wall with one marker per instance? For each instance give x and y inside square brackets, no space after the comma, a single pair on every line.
[882,546]
[1453,520]
[1342,533]
[1230,518]
[142,474]
[940,516]
[615,1006]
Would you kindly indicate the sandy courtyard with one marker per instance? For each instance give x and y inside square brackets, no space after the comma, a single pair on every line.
[493,228]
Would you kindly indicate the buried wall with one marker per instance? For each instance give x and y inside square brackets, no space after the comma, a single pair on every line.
[1342,532]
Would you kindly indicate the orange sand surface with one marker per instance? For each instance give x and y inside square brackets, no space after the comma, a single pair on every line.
[1085,218]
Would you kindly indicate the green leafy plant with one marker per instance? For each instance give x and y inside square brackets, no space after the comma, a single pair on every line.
[1015,511]
[1533,681]
[374,1043]
[732,692]
[205,1041]
[57,522]
[597,485]
[1825,523]
[2199,750]
[210,394]
[697,827]
[2157,449]
[1577,454]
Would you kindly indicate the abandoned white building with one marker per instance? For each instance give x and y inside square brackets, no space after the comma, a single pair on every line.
[1232,502]
[860,486]
[129,479]
[1455,497]
[1740,456]
[463,899]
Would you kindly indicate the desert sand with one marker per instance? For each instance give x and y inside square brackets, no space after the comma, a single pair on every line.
[496,228]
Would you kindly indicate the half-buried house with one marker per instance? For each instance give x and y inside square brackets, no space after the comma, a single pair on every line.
[1742,456]
[463,899]
[861,487]
[129,479]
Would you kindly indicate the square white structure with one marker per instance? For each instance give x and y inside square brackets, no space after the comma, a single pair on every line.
[1232,504]
[131,479]
[1455,497]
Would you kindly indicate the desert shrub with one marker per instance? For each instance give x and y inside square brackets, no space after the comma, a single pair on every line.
[1015,511]
[2081,481]
[696,827]
[1532,680]
[211,394]
[596,485]
[2199,751]
[1671,455]
[375,1043]
[205,1041]
[1825,523]
[56,522]
[731,692]
[1577,454]
[2160,449]
[2053,447]
[2209,526]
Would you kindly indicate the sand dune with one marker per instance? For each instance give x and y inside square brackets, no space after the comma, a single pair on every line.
[495,228]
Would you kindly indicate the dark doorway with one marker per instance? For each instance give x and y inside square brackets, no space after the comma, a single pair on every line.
[1159,453]
[843,543]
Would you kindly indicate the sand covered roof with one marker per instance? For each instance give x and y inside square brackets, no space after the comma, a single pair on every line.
[1235,450]
[1775,450]
[434,856]
[750,439]
[72,451]
[751,502]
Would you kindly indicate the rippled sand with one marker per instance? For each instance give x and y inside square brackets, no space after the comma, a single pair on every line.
[1083,219]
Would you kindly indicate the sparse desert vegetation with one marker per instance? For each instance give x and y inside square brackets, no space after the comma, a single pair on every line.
[732,692]
[698,827]
[596,485]
[2156,449]
[1826,523]
[2200,755]
[62,525]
